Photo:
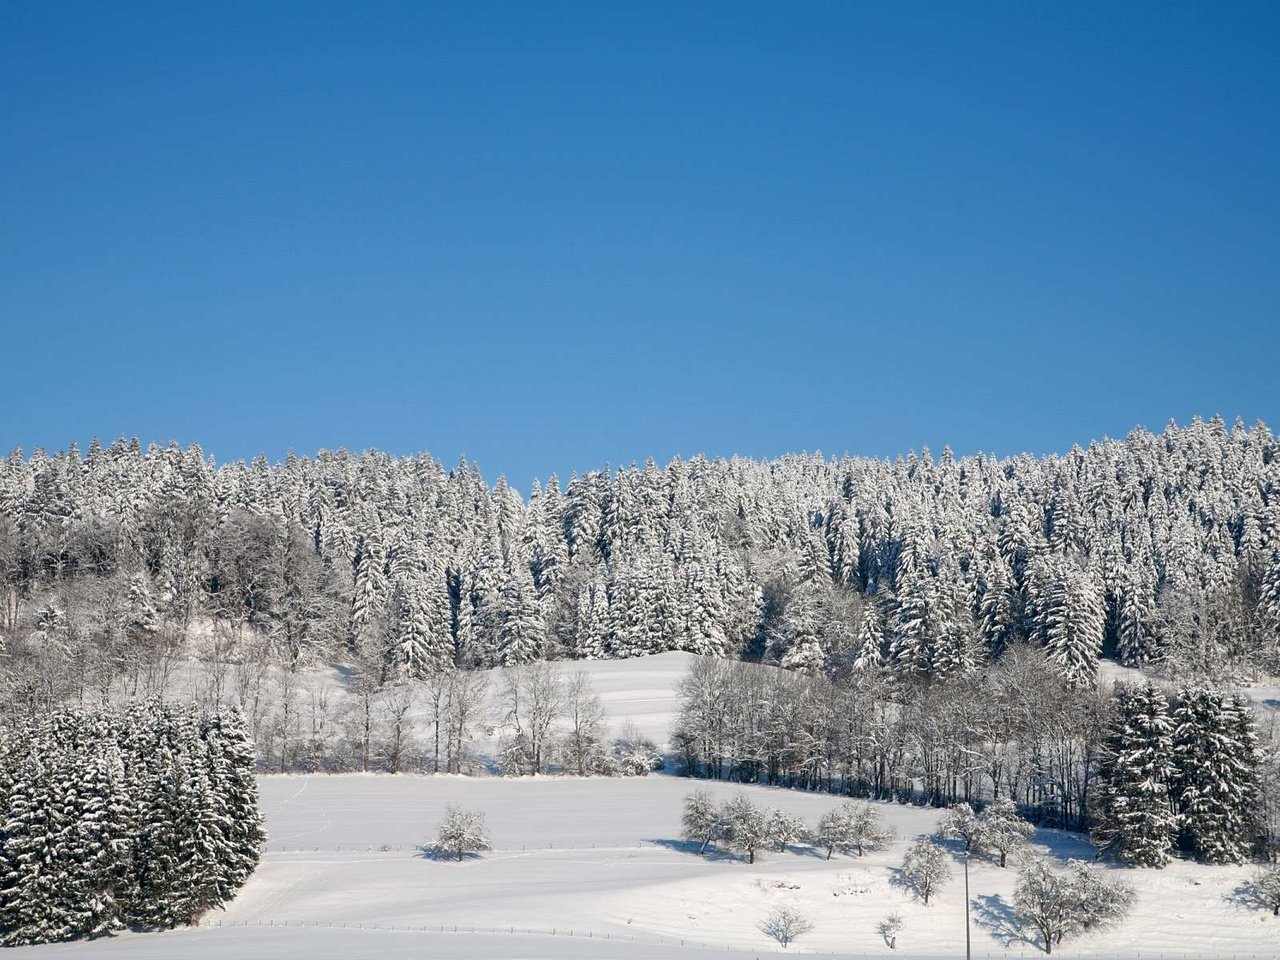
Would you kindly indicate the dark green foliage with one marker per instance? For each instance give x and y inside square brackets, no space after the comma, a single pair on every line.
[143,817]
[1135,815]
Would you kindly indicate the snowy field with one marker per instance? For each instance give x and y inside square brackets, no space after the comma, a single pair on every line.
[593,868]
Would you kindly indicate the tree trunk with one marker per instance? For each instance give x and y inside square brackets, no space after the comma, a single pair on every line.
[284,737]
[364,744]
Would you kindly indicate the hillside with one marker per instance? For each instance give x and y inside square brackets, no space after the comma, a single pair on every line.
[600,857]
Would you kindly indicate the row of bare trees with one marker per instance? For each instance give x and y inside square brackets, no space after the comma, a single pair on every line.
[1016,730]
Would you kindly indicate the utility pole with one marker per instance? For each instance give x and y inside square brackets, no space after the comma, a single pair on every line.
[967,954]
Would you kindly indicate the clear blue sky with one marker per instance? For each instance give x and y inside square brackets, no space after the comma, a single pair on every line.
[550,236]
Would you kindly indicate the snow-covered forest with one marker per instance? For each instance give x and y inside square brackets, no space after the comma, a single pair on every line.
[126,572]
[1159,549]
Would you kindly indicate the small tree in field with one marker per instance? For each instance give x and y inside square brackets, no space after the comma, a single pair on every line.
[925,869]
[1058,905]
[889,928]
[746,826]
[784,829]
[701,821]
[786,925]
[1003,830]
[961,823]
[854,825]
[1265,887]
[461,832]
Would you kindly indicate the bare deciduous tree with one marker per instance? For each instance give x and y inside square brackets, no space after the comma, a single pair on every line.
[786,925]
[533,697]
[925,869]
[889,928]
[585,715]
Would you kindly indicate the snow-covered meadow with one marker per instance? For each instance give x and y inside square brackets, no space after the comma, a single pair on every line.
[594,868]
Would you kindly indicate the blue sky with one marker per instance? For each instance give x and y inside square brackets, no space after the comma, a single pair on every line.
[549,236]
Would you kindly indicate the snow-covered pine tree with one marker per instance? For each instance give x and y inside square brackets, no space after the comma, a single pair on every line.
[31,880]
[635,606]
[591,622]
[1269,601]
[953,651]
[370,589]
[117,819]
[230,759]
[521,630]
[1073,621]
[843,542]
[911,649]
[868,654]
[1134,812]
[1135,629]
[1215,789]
[997,616]
[701,607]
[801,638]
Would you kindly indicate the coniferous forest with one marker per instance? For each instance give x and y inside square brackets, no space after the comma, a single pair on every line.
[1159,550]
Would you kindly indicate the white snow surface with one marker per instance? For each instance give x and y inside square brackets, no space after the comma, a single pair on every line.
[586,868]
[641,691]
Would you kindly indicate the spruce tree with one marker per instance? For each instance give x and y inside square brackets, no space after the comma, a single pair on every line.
[869,645]
[1073,625]
[32,884]
[801,640]
[521,632]
[1215,751]
[1135,816]
[231,771]
[1135,630]
[1269,601]
[111,819]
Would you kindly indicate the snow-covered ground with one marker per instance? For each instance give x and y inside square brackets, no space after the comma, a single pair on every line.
[593,868]
[640,692]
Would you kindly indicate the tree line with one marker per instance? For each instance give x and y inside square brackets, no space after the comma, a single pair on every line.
[1148,776]
[119,565]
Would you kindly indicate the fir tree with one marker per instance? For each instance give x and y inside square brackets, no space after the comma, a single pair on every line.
[1073,625]
[1215,751]
[801,641]
[1134,813]
[521,633]
[869,644]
